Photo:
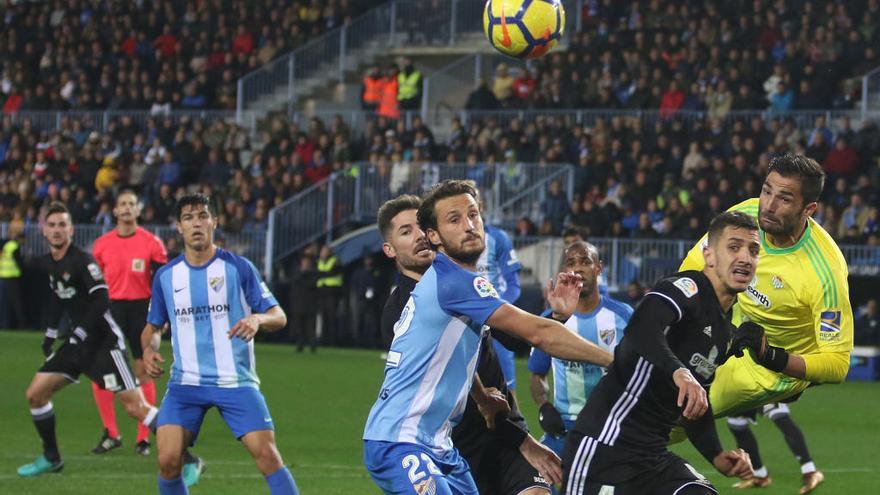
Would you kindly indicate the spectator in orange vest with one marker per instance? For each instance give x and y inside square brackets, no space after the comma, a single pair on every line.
[371,90]
[389,106]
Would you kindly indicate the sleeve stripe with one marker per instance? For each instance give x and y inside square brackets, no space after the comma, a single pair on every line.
[98,287]
[674,304]
[821,267]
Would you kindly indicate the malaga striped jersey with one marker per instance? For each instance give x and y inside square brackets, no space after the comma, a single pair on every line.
[498,260]
[574,381]
[433,357]
[202,303]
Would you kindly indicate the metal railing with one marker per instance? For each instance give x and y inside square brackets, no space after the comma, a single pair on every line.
[645,260]
[871,91]
[250,243]
[101,120]
[399,23]
[355,196]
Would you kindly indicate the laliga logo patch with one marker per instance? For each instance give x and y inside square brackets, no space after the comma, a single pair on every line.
[686,285]
[95,271]
[216,283]
[426,487]
[829,326]
[484,287]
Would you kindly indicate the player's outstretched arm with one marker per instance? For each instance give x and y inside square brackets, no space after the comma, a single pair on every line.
[544,460]
[490,401]
[549,335]
[270,321]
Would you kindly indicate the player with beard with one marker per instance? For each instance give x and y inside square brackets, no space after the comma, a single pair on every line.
[800,297]
[95,348]
[673,343]
[503,460]
[433,357]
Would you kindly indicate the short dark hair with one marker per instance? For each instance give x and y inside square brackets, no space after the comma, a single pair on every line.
[57,207]
[195,199]
[586,246]
[735,219]
[448,188]
[569,231]
[127,190]
[806,169]
[391,208]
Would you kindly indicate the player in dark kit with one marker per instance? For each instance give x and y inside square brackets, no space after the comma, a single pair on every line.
[674,342]
[506,459]
[95,348]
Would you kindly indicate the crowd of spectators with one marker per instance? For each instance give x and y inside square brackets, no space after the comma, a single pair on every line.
[701,56]
[157,55]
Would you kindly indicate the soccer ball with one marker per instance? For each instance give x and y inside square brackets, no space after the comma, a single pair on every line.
[524,28]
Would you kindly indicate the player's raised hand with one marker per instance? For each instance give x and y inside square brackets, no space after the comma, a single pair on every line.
[491,404]
[691,395]
[544,460]
[563,294]
[734,463]
[246,328]
[153,362]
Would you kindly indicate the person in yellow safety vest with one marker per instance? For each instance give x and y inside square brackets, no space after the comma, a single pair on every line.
[371,90]
[389,107]
[11,268]
[329,285]
[409,92]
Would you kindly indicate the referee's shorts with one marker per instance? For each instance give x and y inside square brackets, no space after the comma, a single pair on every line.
[131,316]
[742,385]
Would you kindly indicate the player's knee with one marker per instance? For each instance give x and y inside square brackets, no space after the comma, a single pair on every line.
[738,423]
[170,464]
[268,458]
[36,398]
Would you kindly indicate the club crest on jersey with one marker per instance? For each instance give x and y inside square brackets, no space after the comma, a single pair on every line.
[829,326]
[216,283]
[607,336]
[687,286]
[484,287]
[65,276]
[776,282]
[138,265]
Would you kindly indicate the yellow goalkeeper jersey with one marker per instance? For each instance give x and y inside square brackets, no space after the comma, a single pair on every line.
[800,295]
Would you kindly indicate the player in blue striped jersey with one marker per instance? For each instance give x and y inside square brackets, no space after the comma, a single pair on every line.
[432,359]
[599,319]
[500,265]
[215,303]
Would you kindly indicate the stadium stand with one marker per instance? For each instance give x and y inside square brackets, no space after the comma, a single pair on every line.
[158,55]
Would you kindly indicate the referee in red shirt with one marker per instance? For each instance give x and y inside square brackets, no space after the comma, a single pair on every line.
[129,256]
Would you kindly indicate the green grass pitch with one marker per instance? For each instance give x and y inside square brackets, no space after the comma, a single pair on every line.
[319,404]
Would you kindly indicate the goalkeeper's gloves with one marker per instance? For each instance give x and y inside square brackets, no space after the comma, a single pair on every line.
[551,420]
[751,336]
[48,341]
[77,336]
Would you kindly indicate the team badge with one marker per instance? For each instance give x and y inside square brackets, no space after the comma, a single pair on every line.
[216,283]
[687,286]
[66,276]
[829,326]
[776,282]
[607,336]
[484,287]
[138,265]
[426,487]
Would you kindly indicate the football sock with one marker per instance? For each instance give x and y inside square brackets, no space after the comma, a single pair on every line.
[149,422]
[149,390]
[172,487]
[794,437]
[281,483]
[44,420]
[746,440]
[104,400]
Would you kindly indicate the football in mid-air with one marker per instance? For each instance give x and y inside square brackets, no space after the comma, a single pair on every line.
[524,28]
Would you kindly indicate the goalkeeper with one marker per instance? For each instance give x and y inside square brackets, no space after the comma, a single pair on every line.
[799,300]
